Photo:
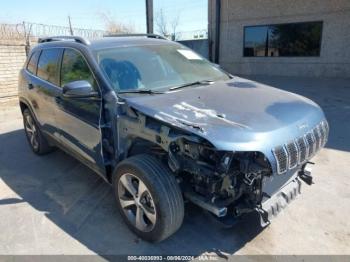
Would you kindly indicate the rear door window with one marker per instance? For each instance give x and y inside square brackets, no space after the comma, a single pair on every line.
[33,61]
[48,65]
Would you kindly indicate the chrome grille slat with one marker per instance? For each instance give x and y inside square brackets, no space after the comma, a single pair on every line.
[310,139]
[281,156]
[317,137]
[322,134]
[326,127]
[293,155]
[307,148]
[301,149]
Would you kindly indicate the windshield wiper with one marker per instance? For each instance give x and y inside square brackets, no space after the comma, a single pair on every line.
[140,91]
[152,92]
[203,82]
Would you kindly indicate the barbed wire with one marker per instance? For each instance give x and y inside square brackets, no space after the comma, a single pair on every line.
[11,31]
[27,31]
[42,30]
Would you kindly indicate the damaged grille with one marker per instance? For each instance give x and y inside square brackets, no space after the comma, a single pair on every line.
[298,151]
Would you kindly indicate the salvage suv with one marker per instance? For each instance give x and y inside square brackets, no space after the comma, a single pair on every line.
[162,125]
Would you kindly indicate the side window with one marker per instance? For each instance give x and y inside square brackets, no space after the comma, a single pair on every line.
[74,68]
[31,66]
[48,65]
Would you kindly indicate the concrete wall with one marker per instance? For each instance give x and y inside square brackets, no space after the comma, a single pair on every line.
[12,57]
[334,60]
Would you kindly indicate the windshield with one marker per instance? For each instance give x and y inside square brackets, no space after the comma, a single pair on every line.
[155,67]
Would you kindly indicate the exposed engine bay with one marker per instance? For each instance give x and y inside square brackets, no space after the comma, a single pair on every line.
[220,178]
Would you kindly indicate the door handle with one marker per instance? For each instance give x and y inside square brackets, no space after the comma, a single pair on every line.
[30,86]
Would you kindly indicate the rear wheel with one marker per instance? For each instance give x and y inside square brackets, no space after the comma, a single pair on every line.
[148,197]
[37,141]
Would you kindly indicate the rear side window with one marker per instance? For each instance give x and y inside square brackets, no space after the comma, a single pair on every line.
[74,68]
[48,65]
[31,67]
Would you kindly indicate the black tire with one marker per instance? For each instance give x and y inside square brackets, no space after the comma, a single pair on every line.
[165,193]
[41,145]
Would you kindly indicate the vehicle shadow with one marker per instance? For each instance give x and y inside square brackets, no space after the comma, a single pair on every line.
[82,204]
[332,95]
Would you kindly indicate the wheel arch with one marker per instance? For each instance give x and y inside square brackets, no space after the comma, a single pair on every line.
[25,104]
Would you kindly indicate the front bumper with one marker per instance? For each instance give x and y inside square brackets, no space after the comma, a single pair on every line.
[273,205]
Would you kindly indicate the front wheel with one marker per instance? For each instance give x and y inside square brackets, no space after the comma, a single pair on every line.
[148,197]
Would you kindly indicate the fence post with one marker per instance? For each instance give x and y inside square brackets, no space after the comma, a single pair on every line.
[27,37]
[70,26]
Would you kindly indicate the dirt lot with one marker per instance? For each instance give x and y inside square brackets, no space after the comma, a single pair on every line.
[55,205]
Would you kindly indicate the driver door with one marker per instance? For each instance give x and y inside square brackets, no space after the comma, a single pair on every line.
[78,119]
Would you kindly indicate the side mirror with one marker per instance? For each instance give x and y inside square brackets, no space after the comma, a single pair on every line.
[79,89]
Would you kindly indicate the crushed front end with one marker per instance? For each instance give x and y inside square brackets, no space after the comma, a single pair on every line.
[215,170]
[230,184]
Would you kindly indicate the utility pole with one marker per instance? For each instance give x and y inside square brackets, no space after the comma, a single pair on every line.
[217,31]
[149,16]
[70,26]
[214,13]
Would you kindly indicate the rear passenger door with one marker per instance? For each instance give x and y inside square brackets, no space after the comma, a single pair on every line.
[79,118]
[44,87]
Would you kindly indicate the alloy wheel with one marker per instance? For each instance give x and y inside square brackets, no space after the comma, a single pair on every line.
[31,131]
[137,202]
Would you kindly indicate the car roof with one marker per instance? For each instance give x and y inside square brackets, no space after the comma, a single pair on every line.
[108,42]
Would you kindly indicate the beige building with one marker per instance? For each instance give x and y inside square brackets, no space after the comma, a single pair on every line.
[281,37]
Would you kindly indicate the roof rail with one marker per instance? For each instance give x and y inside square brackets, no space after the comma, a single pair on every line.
[77,39]
[146,35]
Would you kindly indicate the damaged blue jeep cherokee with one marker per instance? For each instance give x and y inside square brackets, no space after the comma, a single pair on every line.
[162,125]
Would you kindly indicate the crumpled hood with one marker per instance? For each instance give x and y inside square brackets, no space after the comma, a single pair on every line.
[238,114]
